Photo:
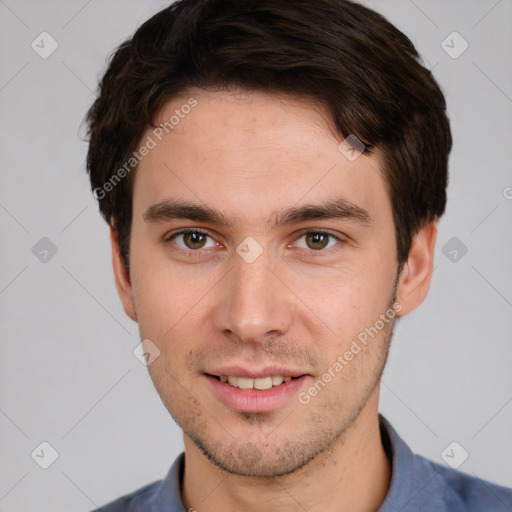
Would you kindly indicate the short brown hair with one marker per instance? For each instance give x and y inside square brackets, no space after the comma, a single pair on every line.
[337,52]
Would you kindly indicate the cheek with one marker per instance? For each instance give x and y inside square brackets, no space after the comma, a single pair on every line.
[347,299]
[167,301]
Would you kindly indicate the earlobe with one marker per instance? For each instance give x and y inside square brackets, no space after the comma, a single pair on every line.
[416,275]
[122,278]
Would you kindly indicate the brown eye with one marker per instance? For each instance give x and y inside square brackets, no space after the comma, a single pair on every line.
[194,239]
[317,241]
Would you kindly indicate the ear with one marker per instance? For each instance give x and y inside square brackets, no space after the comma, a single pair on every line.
[122,278]
[416,275]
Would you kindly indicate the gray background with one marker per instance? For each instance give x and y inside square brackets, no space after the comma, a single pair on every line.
[68,374]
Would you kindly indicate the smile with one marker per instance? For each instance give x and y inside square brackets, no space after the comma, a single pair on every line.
[258,393]
[260,383]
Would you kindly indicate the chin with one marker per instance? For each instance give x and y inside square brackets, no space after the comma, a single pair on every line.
[246,459]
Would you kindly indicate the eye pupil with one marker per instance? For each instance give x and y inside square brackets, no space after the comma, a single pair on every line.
[317,241]
[194,240]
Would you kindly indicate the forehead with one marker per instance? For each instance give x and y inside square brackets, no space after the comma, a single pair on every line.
[248,153]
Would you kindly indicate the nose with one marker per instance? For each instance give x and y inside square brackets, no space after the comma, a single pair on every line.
[254,304]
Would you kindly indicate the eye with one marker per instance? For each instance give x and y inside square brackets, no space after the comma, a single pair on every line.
[317,240]
[192,240]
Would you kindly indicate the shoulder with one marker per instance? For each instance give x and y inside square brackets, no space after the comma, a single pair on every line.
[460,491]
[420,484]
[136,501]
[155,497]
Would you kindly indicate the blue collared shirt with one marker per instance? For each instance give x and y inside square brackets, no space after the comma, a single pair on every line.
[417,485]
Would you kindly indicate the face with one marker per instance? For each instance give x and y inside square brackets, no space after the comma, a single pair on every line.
[260,251]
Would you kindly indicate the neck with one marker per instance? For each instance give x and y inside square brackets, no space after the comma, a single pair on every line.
[354,474]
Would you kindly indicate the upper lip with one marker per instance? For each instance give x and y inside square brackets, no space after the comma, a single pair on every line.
[267,371]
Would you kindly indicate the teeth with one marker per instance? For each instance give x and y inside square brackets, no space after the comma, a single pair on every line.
[259,383]
[244,383]
[263,383]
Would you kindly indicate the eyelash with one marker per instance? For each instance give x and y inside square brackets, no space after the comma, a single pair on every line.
[197,252]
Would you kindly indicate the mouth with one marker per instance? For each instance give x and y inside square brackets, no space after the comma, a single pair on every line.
[261,391]
[259,383]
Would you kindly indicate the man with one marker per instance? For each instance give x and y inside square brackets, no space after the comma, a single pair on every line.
[273,173]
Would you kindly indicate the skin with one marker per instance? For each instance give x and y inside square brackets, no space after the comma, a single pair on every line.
[250,156]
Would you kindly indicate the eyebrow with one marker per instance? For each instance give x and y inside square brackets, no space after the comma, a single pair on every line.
[171,210]
[341,209]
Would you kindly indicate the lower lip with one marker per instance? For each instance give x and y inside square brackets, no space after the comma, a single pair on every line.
[255,400]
